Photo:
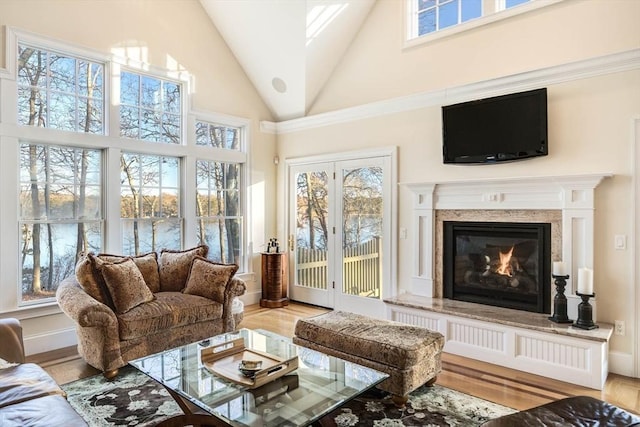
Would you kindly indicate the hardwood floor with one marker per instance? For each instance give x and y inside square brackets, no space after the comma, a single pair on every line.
[508,387]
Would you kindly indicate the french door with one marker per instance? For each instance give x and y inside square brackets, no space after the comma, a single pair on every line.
[340,233]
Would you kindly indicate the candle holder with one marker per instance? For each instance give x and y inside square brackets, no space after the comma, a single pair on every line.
[560,301]
[585,313]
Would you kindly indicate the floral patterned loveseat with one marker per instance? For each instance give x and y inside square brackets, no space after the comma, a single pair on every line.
[129,307]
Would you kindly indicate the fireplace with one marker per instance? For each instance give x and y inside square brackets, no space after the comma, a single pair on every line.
[501,264]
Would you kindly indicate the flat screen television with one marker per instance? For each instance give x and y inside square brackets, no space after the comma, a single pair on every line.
[502,128]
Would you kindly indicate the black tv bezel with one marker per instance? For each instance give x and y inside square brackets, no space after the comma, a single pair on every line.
[488,158]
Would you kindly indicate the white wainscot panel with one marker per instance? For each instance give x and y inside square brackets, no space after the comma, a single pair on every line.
[418,318]
[575,360]
[583,362]
[476,336]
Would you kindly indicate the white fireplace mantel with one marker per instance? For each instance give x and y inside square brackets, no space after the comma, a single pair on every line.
[572,194]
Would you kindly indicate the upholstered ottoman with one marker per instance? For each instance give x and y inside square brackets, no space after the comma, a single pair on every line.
[409,354]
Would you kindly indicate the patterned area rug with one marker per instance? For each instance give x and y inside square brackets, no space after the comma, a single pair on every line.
[134,399]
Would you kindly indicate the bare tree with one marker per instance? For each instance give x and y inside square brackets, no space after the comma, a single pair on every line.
[128,168]
[312,207]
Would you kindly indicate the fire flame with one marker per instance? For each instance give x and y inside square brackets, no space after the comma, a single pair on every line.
[505,263]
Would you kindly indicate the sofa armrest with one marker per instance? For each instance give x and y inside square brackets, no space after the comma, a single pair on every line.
[12,348]
[235,288]
[96,326]
[82,308]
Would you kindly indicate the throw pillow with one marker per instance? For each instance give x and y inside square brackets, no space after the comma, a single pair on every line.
[125,284]
[147,264]
[174,267]
[91,280]
[209,279]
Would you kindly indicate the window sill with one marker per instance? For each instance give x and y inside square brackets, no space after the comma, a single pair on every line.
[478,22]
[33,311]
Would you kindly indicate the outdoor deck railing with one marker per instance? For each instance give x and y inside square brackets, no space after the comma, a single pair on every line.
[361,268]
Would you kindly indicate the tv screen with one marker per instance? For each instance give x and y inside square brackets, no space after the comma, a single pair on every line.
[497,129]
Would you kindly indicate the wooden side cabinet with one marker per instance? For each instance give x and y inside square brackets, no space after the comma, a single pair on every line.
[274,280]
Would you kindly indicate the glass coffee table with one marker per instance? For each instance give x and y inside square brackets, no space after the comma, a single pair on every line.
[319,384]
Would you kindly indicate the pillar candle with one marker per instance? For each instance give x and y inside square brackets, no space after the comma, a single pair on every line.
[559,269]
[585,281]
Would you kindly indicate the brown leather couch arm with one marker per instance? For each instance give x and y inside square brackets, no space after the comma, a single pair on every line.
[12,348]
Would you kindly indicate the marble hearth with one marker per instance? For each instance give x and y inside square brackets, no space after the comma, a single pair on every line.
[507,337]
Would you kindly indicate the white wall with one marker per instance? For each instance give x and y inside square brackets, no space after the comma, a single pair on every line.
[175,35]
[589,118]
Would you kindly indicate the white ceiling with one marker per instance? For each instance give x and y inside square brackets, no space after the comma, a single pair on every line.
[288,48]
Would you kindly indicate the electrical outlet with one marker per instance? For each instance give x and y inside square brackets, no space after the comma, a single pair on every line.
[620,242]
[619,327]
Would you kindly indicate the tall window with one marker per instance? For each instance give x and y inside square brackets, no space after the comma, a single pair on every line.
[59,91]
[150,108]
[218,210]
[64,195]
[60,214]
[150,203]
[218,187]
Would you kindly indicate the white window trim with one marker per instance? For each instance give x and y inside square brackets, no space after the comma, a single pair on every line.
[488,17]
[153,72]
[222,155]
[11,135]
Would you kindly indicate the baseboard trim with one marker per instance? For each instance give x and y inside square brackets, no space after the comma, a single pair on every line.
[41,343]
[621,363]
[250,298]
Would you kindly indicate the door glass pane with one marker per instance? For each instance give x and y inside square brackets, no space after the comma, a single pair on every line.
[312,214]
[362,211]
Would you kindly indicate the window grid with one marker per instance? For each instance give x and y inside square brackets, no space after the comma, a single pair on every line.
[430,16]
[219,210]
[47,97]
[218,136]
[150,203]
[60,214]
[150,108]
[158,221]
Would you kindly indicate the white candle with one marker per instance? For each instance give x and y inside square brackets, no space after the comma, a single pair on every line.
[585,281]
[559,269]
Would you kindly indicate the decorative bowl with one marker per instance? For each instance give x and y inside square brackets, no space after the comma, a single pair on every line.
[249,368]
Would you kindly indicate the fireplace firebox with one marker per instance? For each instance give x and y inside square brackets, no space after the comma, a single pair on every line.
[501,264]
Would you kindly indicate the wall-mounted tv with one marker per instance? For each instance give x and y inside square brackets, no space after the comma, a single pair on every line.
[497,129]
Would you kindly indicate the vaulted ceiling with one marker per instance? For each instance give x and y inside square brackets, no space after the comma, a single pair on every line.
[288,48]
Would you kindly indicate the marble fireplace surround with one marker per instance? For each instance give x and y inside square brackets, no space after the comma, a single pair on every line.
[567,202]
[512,338]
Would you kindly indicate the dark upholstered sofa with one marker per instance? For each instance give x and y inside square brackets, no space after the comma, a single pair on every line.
[125,308]
[28,395]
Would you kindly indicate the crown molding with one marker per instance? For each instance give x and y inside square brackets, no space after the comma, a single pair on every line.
[268,127]
[588,68]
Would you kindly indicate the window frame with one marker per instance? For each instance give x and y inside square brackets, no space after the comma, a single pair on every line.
[492,11]
[44,221]
[145,220]
[225,156]
[49,91]
[12,136]
[183,136]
